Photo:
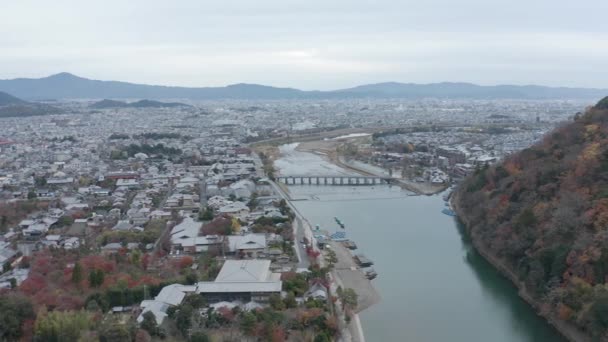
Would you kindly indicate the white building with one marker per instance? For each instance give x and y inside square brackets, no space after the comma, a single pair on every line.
[170,295]
[243,280]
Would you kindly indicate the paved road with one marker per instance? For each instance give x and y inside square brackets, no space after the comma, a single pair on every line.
[299,236]
[203,193]
[301,227]
[349,332]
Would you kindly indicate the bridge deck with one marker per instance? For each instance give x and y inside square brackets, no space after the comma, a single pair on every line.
[333,180]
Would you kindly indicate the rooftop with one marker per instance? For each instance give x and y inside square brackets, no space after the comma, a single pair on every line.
[244,271]
[243,276]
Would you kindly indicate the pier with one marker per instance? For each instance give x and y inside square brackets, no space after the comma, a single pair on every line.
[335,180]
[349,274]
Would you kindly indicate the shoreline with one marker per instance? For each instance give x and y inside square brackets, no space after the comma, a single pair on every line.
[329,153]
[567,330]
[353,331]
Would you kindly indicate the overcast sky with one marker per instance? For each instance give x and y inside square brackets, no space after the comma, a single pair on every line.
[312,44]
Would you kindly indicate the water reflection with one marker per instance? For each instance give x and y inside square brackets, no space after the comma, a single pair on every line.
[498,288]
[434,286]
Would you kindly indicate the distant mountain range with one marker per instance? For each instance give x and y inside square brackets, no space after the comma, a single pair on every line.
[138,104]
[11,106]
[68,86]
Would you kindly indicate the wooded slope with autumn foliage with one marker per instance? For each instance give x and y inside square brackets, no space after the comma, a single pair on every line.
[543,213]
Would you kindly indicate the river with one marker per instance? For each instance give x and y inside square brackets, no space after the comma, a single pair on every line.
[434,286]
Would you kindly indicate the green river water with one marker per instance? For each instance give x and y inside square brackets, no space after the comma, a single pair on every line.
[434,286]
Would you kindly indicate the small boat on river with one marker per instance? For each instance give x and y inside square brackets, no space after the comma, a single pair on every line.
[370,273]
[448,212]
[350,244]
[363,261]
[447,196]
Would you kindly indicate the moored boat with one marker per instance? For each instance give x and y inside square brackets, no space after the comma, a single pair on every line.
[370,273]
[448,212]
[447,196]
[363,261]
[350,244]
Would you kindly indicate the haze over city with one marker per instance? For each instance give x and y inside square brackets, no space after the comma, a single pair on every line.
[309,44]
[304,171]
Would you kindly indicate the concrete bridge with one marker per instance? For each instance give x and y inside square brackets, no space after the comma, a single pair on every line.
[334,180]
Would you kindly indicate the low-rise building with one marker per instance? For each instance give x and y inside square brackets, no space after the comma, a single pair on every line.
[248,245]
[243,280]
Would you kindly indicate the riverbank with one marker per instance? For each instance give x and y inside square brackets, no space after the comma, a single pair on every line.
[371,170]
[349,332]
[480,304]
[567,330]
[327,149]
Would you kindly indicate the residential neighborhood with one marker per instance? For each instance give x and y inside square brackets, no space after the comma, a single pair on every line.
[168,220]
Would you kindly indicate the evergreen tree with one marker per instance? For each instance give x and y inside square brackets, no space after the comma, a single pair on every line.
[77,273]
[248,322]
[199,337]
[96,278]
[14,310]
[183,318]
[149,323]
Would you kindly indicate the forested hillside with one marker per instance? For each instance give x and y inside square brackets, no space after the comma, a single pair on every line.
[11,106]
[544,214]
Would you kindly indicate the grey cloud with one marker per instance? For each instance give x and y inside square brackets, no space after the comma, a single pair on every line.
[309,44]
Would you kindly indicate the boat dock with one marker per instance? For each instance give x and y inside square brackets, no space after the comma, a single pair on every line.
[352,276]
